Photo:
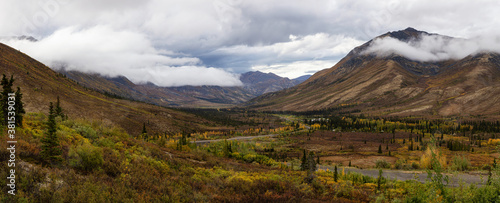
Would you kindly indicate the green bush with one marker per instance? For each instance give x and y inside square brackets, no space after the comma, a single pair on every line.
[86,157]
[400,164]
[86,131]
[460,163]
[414,165]
[382,164]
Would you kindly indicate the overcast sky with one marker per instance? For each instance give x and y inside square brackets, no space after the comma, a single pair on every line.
[202,42]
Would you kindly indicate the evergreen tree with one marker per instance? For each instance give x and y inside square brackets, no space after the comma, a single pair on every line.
[393,135]
[379,179]
[19,108]
[182,141]
[380,149]
[303,163]
[58,109]
[51,150]
[4,97]
[335,174]
[310,161]
[145,132]
[489,176]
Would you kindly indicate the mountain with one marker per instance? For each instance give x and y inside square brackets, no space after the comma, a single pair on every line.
[302,78]
[255,84]
[259,83]
[396,85]
[186,96]
[41,85]
[23,37]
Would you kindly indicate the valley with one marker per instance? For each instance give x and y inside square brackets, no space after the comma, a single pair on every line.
[371,128]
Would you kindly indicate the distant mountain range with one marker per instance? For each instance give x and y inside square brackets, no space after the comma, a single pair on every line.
[395,85]
[255,84]
[23,37]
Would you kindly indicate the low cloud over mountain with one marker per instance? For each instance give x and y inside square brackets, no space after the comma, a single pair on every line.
[431,48]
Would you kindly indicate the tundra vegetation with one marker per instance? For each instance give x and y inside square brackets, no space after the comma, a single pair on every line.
[95,161]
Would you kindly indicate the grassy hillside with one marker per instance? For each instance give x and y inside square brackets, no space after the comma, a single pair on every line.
[41,85]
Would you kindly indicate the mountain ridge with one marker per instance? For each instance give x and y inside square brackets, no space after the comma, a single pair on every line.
[395,85]
[254,84]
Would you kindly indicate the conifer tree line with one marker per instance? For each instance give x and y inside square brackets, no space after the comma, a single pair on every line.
[7,88]
[413,125]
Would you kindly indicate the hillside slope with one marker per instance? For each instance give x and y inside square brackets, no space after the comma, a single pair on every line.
[41,85]
[395,85]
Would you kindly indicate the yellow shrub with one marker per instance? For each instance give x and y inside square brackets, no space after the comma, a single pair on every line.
[426,159]
[494,141]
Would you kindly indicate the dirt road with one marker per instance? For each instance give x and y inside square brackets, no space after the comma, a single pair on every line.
[454,179]
[202,142]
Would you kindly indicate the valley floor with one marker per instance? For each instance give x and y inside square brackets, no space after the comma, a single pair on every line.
[253,158]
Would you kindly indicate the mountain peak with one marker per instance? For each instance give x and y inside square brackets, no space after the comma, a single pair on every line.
[406,34]
[410,29]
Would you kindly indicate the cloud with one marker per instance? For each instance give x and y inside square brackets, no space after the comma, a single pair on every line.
[431,48]
[295,69]
[112,53]
[209,30]
[293,58]
[186,75]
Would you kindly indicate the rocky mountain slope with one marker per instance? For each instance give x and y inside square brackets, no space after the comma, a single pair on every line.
[396,85]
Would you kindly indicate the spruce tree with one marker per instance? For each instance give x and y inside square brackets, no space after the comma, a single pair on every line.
[335,174]
[4,97]
[51,150]
[303,163]
[379,179]
[380,149]
[58,109]
[310,161]
[144,131]
[19,108]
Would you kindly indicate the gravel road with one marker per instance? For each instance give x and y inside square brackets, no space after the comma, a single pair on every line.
[201,142]
[454,179]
